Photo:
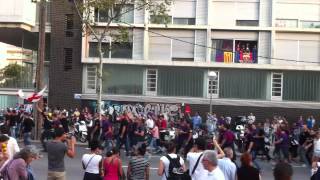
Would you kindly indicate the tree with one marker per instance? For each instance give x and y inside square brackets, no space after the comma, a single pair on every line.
[114,10]
[13,74]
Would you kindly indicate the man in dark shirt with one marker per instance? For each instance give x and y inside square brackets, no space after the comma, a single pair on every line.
[13,123]
[27,125]
[123,134]
[305,142]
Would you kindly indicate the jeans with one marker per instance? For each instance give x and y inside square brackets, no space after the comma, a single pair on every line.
[303,155]
[27,138]
[18,128]
[154,144]
[125,141]
[108,144]
[13,131]
[255,163]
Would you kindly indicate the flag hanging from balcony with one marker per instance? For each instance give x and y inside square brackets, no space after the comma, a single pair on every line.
[31,97]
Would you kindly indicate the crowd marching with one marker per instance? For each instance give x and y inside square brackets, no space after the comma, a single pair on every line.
[189,147]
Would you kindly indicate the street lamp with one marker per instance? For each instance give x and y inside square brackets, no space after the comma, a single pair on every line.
[212,75]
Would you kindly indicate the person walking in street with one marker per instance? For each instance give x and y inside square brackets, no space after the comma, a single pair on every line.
[139,166]
[27,125]
[112,166]
[247,171]
[57,149]
[210,163]
[92,162]
[226,165]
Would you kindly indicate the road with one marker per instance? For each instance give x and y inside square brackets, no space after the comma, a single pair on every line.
[75,172]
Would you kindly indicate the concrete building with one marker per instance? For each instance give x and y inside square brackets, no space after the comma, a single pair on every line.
[19,43]
[266,54]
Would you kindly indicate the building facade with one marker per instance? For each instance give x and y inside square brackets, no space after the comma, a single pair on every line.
[265,54]
[19,22]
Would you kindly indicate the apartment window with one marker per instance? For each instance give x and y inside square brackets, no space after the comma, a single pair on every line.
[160,19]
[68,56]
[277,84]
[100,15]
[183,47]
[247,22]
[290,23]
[213,85]
[118,50]
[246,51]
[91,77]
[69,25]
[152,75]
[222,50]
[123,13]
[310,24]
[185,21]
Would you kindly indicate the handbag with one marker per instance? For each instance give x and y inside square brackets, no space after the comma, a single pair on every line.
[85,166]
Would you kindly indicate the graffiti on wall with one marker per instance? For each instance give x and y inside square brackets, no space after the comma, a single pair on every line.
[143,108]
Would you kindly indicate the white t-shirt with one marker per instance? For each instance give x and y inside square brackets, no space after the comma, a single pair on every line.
[93,165]
[228,168]
[149,123]
[316,146]
[200,172]
[216,174]
[166,163]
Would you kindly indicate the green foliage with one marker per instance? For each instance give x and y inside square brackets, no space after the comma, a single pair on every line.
[13,71]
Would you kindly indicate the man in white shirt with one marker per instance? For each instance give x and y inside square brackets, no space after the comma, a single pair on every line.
[210,163]
[192,157]
[228,168]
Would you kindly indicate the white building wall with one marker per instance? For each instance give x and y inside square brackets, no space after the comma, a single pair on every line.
[137,51]
[226,12]
[138,15]
[300,10]
[201,12]
[264,47]
[17,11]
[200,51]
[265,16]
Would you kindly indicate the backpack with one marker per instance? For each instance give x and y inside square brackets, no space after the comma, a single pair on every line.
[176,171]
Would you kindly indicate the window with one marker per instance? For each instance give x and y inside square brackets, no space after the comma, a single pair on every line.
[276,88]
[290,23]
[100,15]
[213,85]
[222,50]
[152,75]
[69,25]
[118,50]
[91,77]
[183,46]
[124,14]
[246,51]
[310,24]
[247,22]
[68,59]
[186,21]
[160,19]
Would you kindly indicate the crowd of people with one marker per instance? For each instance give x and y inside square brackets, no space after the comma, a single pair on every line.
[190,147]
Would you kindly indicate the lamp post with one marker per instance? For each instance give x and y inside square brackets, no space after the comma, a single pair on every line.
[212,75]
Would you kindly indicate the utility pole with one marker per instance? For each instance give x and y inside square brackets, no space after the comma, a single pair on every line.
[40,64]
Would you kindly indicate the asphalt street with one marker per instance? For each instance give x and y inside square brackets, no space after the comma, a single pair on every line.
[75,172]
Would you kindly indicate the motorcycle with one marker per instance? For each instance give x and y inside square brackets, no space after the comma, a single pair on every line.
[81,131]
